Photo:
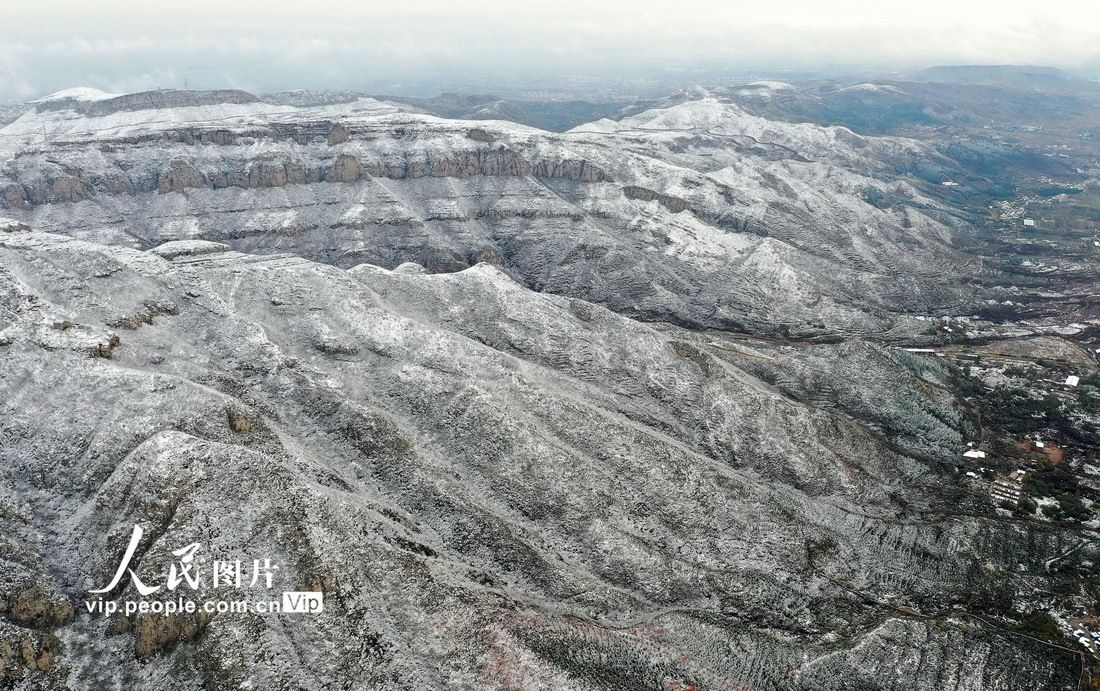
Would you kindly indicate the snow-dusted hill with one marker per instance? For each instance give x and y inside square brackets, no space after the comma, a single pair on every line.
[488,484]
[734,220]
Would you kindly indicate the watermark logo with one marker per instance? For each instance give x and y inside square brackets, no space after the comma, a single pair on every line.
[187,576]
[304,602]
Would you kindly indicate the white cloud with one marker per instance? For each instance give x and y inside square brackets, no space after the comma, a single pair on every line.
[50,44]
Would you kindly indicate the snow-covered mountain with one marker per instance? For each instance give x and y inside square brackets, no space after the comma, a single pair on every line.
[734,220]
[489,389]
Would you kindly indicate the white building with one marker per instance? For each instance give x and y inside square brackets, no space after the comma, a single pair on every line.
[1029,222]
[1072,380]
[974,453]
[1005,491]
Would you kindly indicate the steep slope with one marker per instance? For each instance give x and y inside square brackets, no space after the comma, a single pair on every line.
[493,487]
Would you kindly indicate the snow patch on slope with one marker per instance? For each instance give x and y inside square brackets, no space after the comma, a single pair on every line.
[79,93]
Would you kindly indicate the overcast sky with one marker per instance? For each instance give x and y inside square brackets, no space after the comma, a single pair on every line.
[124,45]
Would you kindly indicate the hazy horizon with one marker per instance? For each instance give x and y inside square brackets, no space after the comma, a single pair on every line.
[263,46]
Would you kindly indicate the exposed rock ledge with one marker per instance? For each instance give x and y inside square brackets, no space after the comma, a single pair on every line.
[75,186]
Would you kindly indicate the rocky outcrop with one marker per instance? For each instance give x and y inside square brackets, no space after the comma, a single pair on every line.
[337,135]
[570,169]
[480,135]
[344,169]
[179,176]
[26,654]
[727,219]
[673,204]
[28,646]
[35,607]
[8,225]
[500,161]
[62,188]
[191,136]
[14,196]
[156,634]
[273,175]
[145,316]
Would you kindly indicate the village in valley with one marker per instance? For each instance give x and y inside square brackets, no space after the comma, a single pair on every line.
[1032,394]
[1034,408]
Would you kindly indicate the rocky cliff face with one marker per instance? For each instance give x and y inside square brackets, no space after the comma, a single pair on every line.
[70,184]
[471,383]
